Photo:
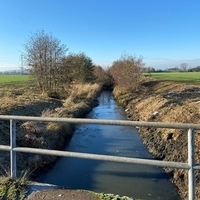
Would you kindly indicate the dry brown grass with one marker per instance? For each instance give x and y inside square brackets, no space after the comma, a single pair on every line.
[172,102]
[186,112]
[153,98]
[83,91]
[19,95]
[80,98]
[27,100]
[24,101]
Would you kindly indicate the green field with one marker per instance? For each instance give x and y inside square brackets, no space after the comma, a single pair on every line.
[14,78]
[177,76]
[172,76]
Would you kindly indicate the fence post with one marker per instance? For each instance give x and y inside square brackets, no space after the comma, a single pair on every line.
[191,160]
[13,145]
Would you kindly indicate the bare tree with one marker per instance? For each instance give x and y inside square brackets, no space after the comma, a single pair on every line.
[126,71]
[43,54]
[102,76]
[184,67]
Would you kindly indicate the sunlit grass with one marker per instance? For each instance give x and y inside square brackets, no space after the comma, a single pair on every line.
[14,78]
[14,189]
[177,76]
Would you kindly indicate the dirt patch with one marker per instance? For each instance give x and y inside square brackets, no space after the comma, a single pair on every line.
[167,102]
[48,191]
[63,194]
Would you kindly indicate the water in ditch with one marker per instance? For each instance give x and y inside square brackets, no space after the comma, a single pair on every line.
[137,181]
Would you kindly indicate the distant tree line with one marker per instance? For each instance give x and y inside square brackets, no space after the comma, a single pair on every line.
[10,72]
[195,69]
[182,68]
[7,72]
[52,69]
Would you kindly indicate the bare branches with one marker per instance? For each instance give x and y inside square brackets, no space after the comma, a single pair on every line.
[43,56]
[126,71]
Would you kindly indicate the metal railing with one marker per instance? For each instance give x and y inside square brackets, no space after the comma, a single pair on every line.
[190,166]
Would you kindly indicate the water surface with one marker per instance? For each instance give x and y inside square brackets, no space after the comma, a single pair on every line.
[137,181]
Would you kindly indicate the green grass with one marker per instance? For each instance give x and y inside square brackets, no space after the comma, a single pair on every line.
[14,78]
[14,189]
[177,76]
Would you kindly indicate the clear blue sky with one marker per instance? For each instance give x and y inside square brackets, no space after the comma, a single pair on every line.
[165,32]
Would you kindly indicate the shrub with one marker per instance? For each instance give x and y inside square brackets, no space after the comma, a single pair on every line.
[126,72]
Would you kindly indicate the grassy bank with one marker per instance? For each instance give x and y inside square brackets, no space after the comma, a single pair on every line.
[26,100]
[173,102]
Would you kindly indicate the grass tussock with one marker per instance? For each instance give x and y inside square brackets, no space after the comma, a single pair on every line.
[84,92]
[80,99]
[14,189]
[104,196]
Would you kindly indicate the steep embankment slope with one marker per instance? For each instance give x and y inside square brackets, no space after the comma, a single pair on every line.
[24,102]
[166,102]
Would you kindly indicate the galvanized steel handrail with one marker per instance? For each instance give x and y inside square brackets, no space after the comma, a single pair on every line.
[99,157]
[190,166]
[104,122]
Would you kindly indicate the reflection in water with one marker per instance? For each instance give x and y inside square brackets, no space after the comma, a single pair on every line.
[105,99]
[138,181]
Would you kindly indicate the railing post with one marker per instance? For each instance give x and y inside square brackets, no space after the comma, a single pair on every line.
[191,160]
[13,145]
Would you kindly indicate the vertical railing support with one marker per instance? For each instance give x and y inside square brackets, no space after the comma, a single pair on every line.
[191,160]
[13,145]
